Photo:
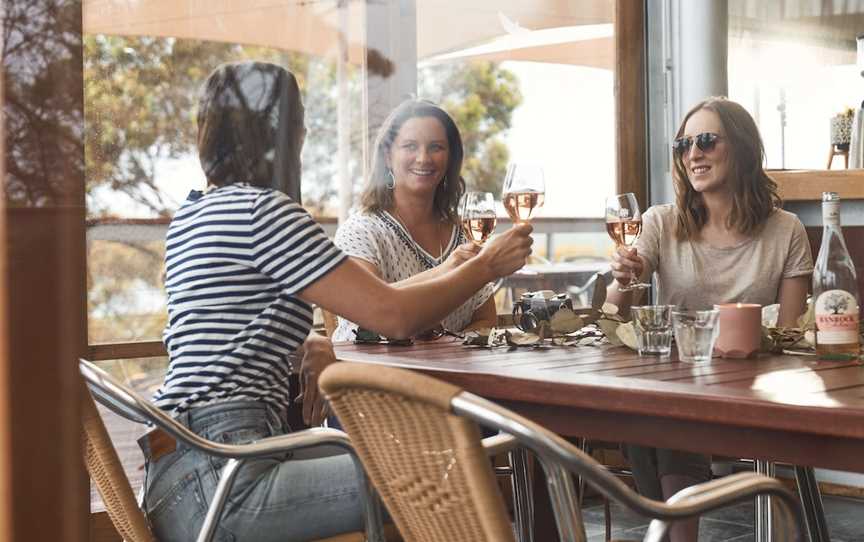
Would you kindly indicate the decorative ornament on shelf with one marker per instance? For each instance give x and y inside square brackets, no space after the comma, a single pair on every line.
[841,127]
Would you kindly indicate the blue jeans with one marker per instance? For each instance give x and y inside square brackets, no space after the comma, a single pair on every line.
[307,495]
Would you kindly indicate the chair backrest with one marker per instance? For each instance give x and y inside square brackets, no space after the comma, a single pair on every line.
[108,476]
[428,465]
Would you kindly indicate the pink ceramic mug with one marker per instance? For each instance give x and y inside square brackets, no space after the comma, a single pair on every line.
[740,330]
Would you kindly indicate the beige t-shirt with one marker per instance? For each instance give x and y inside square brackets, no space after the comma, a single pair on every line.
[694,275]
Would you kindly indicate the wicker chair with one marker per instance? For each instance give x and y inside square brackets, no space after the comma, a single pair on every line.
[419,441]
[518,467]
[110,480]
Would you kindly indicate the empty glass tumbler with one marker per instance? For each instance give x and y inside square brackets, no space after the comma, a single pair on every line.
[653,327]
[695,333]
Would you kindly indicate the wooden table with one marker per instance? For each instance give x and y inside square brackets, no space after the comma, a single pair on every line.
[787,408]
[793,409]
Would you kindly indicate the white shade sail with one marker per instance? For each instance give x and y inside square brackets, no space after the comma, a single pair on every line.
[313,27]
[587,45]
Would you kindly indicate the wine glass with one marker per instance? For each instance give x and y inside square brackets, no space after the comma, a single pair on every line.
[624,224]
[524,190]
[477,210]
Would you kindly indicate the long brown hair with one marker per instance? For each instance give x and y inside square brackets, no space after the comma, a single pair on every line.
[250,127]
[754,193]
[377,197]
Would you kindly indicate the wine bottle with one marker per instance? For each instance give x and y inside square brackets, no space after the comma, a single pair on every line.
[835,289]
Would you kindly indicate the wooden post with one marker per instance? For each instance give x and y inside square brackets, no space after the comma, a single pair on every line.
[44,279]
[630,100]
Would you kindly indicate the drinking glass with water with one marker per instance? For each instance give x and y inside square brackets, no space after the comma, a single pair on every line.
[653,327]
[695,333]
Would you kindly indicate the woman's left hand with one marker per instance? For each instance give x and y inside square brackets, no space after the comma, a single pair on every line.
[462,254]
[317,355]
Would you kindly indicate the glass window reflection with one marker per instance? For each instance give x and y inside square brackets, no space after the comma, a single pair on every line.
[793,65]
[525,81]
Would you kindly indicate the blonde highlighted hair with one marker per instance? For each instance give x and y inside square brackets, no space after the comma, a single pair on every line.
[754,193]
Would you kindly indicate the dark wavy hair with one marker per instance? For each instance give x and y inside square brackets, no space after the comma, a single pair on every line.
[377,197]
[250,127]
[754,193]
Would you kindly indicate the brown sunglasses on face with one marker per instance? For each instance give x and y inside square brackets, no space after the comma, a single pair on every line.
[706,142]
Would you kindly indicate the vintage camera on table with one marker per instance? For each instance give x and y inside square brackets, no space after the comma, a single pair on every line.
[535,308]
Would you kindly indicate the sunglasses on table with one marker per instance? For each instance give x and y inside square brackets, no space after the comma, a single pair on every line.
[436,333]
[705,141]
[365,336]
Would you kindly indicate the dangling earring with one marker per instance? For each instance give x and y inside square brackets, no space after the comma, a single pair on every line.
[444,181]
[391,184]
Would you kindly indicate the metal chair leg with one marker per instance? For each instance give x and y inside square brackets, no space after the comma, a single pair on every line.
[607,518]
[582,444]
[764,515]
[562,494]
[811,502]
[585,445]
[220,497]
[523,495]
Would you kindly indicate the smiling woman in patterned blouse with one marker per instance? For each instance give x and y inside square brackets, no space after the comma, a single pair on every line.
[407,229]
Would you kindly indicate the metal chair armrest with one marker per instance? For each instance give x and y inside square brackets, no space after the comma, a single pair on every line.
[129,404]
[581,294]
[307,438]
[707,496]
[316,436]
[499,444]
[554,454]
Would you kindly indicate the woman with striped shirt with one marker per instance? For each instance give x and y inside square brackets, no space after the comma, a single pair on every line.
[244,263]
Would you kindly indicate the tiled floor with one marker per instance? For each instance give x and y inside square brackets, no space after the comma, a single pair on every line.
[845,518]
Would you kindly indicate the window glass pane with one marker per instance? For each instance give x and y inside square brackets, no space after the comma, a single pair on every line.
[527,81]
[126,301]
[792,63]
[143,68]
[529,85]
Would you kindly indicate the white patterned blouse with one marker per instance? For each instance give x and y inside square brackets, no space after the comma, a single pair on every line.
[383,241]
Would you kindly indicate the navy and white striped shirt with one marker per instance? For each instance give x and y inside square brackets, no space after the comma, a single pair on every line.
[236,257]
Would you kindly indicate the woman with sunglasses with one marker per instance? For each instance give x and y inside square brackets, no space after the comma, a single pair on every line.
[725,239]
